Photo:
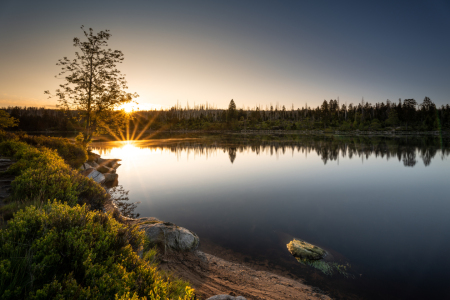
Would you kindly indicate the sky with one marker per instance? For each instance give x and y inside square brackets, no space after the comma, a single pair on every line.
[255,52]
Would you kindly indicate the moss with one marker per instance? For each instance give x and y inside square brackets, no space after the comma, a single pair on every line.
[303,249]
[150,222]
[311,255]
[321,265]
[328,268]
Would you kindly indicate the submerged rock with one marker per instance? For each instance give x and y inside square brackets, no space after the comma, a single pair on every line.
[304,250]
[168,235]
[312,256]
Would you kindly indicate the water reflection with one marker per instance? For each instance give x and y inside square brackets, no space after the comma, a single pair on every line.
[390,222]
[407,150]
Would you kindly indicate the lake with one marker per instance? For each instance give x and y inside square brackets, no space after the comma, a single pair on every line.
[380,204]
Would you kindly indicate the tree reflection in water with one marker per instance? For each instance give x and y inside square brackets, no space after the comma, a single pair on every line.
[119,196]
[329,148]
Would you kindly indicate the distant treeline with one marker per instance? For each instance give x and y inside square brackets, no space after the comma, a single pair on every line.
[41,119]
[331,115]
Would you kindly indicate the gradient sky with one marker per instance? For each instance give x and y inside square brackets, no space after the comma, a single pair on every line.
[256,52]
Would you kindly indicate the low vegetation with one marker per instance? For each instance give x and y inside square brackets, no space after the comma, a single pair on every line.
[73,154]
[41,174]
[63,252]
[58,244]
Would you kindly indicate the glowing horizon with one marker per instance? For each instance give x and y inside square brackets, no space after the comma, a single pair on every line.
[257,54]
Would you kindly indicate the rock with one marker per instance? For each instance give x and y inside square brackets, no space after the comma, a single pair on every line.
[111,184]
[96,176]
[148,220]
[105,169]
[226,297]
[109,177]
[107,162]
[116,165]
[303,250]
[93,164]
[169,235]
[86,166]
[87,172]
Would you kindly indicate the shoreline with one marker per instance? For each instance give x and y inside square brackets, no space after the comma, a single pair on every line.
[212,270]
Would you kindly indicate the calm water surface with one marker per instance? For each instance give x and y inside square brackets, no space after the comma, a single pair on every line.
[380,204]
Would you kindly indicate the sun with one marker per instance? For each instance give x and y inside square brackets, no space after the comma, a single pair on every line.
[127,107]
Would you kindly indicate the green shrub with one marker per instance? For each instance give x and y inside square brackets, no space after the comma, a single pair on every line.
[63,252]
[46,183]
[72,153]
[42,174]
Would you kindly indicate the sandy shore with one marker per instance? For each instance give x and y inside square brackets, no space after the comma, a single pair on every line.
[211,275]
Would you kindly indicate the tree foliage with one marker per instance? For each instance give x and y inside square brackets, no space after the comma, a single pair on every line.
[6,120]
[232,110]
[93,84]
[424,117]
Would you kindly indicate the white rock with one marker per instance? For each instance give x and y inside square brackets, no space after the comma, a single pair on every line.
[97,176]
[169,235]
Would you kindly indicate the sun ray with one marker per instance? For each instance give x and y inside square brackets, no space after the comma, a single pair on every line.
[112,132]
[128,130]
[152,134]
[147,126]
[135,128]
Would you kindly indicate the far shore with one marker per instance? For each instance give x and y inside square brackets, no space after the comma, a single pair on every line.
[389,133]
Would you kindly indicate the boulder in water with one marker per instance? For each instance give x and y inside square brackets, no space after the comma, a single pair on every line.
[109,177]
[304,250]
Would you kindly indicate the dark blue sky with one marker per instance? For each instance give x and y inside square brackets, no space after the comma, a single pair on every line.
[257,52]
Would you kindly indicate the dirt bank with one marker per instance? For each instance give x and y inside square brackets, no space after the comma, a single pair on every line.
[211,275]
